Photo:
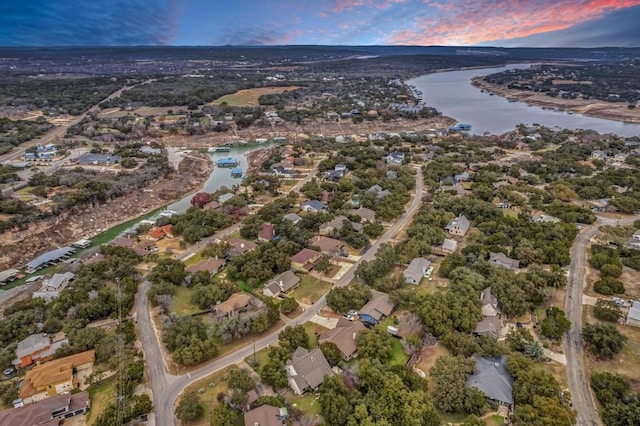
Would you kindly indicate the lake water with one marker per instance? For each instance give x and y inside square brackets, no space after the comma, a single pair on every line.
[452,94]
[221,176]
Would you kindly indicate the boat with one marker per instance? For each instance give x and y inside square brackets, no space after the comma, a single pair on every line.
[236,172]
[168,213]
[219,149]
[491,94]
[227,162]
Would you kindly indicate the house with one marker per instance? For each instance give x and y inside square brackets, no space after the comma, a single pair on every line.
[337,224]
[212,205]
[211,265]
[395,158]
[599,155]
[38,348]
[490,307]
[52,287]
[327,245]
[283,168]
[501,259]
[416,270]
[307,369]
[633,317]
[267,232]
[233,305]
[462,177]
[344,336]
[544,218]
[449,246]
[293,218]
[159,233]
[48,412]
[305,260]
[494,380]
[8,276]
[374,189]
[240,246]
[124,242]
[367,215]
[489,326]
[458,226]
[49,258]
[377,308]
[392,175]
[264,415]
[227,162]
[56,377]
[107,159]
[313,206]
[281,284]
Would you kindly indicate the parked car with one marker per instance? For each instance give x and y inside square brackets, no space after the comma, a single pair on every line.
[10,372]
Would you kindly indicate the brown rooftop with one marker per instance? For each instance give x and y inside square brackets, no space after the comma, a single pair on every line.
[233,303]
[53,372]
[210,265]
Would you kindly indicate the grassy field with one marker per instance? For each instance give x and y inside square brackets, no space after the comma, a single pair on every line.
[308,404]
[181,304]
[250,96]
[310,290]
[313,330]
[398,357]
[558,371]
[212,386]
[429,357]
[101,395]
[197,257]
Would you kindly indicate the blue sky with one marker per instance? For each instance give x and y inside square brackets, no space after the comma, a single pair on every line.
[333,22]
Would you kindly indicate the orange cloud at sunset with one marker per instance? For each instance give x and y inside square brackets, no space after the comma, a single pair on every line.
[467,22]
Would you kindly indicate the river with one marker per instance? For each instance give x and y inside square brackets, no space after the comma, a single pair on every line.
[452,94]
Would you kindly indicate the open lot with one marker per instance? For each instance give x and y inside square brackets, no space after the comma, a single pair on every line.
[310,290]
[101,395]
[247,97]
[181,304]
[208,390]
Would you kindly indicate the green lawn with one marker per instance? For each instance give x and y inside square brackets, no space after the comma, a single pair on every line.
[313,330]
[101,395]
[398,357]
[308,404]
[262,357]
[197,257]
[211,386]
[310,289]
[181,304]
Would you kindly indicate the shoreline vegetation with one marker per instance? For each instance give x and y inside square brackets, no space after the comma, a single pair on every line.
[604,110]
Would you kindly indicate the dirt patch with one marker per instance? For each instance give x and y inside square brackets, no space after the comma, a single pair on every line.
[248,97]
[256,158]
[631,280]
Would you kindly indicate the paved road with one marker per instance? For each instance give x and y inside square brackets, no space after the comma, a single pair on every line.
[58,133]
[581,395]
[167,387]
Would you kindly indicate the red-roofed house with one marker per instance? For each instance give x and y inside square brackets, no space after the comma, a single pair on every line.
[266,232]
[305,260]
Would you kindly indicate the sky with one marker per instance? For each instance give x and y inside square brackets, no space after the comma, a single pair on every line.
[510,23]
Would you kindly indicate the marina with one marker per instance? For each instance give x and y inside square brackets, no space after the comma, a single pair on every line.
[227,162]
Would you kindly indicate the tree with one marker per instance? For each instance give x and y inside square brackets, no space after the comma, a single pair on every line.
[8,392]
[475,402]
[189,408]
[603,340]
[610,388]
[200,199]
[376,344]
[449,375]
[555,324]
[168,270]
[292,337]
[334,401]
[342,299]
[474,421]
[288,305]
[607,310]
[607,286]
[240,379]
[332,353]
[610,270]
[535,351]
[222,415]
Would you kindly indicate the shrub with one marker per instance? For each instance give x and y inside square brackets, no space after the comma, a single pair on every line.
[608,286]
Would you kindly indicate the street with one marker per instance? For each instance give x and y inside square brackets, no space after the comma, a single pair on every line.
[581,396]
[167,387]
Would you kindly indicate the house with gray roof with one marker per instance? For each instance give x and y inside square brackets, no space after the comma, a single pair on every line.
[337,224]
[449,245]
[633,317]
[281,284]
[489,326]
[458,226]
[264,415]
[313,206]
[367,215]
[52,287]
[502,260]
[344,336]
[494,380]
[416,270]
[307,369]
[293,218]
[490,306]
[37,348]
[378,307]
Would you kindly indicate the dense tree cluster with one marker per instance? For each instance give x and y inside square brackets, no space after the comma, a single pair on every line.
[621,404]
[603,340]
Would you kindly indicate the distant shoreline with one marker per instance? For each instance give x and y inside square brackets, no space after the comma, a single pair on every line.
[597,109]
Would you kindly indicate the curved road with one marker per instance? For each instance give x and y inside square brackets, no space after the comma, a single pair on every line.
[167,387]
[581,395]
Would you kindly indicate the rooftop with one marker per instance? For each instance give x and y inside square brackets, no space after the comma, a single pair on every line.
[492,377]
[53,372]
[50,256]
[264,415]
[42,412]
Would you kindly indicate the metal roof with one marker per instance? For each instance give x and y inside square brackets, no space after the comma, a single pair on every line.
[50,256]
